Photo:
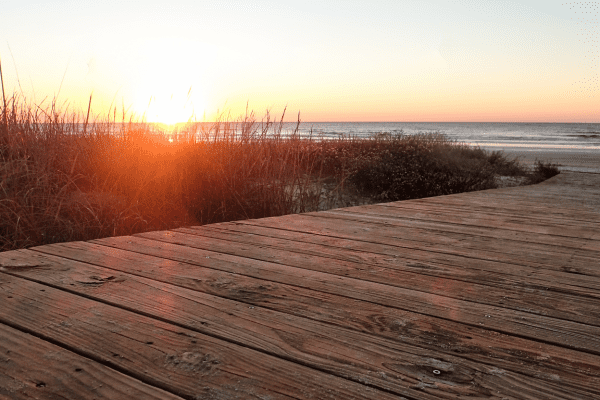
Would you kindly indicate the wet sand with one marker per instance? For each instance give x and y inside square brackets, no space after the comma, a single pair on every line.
[567,159]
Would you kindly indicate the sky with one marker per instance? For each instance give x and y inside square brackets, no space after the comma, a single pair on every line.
[343,60]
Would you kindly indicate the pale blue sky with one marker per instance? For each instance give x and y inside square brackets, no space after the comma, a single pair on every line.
[436,60]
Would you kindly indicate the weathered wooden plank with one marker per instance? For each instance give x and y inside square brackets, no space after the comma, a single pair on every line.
[535,300]
[25,373]
[563,333]
[559,201]
[503,222]
[542,205]
[569,198]
[435,211]
[177,359]
[321,225]
[545,283]
[510,204]
[404,217]
[528,210]
[506,205]
[524,251]
[569,178]
[577,228]
[530,243]
[355,351]
[428,261]
[573,192]
[569,193]
[583,183]
[361,347]
[531,254]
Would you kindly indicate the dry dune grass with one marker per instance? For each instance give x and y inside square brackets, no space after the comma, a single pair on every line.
[67,176]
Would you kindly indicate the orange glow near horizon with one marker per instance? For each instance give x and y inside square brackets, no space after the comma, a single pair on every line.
[427,61]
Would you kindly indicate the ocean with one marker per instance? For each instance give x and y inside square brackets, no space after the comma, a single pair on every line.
[535,136]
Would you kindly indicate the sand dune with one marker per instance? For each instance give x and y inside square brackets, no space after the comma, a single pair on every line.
[568,159]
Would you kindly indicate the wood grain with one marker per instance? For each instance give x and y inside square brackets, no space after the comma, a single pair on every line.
[498,205]
[272,332]
[520,249]
[171,357]
[428,262]
[563,333]
[512,353]
[24,373]
[363,231]
[405,216]
[517,222]
[382,269]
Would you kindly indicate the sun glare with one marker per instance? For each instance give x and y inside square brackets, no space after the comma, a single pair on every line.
[170,85]
[170,109]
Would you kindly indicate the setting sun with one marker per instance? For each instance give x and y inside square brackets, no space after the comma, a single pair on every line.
[170,87]
[172,109]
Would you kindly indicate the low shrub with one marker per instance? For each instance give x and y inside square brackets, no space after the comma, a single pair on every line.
[543,171]
[427,165]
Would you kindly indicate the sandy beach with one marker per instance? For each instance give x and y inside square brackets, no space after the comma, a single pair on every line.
[568,159]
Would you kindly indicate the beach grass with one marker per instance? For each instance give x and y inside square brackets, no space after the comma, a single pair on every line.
[66,176]
[542,171]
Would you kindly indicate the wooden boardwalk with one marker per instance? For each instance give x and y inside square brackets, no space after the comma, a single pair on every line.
[484,295]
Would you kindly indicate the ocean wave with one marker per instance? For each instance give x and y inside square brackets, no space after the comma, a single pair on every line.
[587,135]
